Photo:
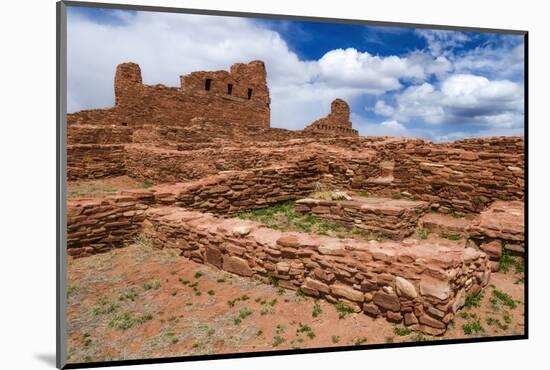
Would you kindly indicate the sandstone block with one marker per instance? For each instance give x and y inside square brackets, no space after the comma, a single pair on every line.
[386,301]
[346,292]
[434,287]
[236,265]
[405,287]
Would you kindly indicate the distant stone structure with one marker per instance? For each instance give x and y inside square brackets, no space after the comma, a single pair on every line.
[239,98]
[337,122]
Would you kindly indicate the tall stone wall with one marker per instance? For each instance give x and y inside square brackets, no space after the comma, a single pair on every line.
[203,98]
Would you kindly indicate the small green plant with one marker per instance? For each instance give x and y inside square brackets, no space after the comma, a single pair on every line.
[473,327]
[277,340]
[335,339]
[343,310]
[280,328]
[464,315]
[504,298]
[259,333]
[520,280]
[232,302]
[244,312]
[245,297]
[280,291]
[300,293]
[506,262]
[423,233]
[103,306]
[211,292]
[183,281]
[492,321]
[473,300]
[401,331]
[305,329]
[273,302]
[198,274]
[237,321]
[507,318]
[316,309]
[71,289]
[153,284]
[128,295]
[126,320]
[389,339]
[273,280]
[359,341]
[450,236]
[146,185]
[220,280]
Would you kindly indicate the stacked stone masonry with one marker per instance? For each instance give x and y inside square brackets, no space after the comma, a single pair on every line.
[420,284]
[388,217]
[336,122]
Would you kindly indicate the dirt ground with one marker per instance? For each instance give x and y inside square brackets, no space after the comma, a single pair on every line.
[107,185]
[141,302]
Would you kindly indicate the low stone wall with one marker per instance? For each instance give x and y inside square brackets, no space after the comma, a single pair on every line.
[99,224]
[394,218]
[421,284]
[92,161]
[160,165]
[455,179]
[500,228]
[95,134]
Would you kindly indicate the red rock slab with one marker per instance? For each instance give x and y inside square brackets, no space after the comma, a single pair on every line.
[441,223]
[503,220]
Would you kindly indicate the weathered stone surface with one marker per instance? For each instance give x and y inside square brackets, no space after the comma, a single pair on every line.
[386,301]
[236,265]
[346,292]
[459,301]
[410,319]
[213,256]
[405,287]
[493,249]
[371,309]
[430,321]
[434,287]
[316,285]
[332,248]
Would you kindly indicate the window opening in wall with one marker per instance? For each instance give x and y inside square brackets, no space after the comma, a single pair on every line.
[249,94]
[229,88]
[207,84]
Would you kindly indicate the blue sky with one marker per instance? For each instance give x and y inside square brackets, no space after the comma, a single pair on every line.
[438,85]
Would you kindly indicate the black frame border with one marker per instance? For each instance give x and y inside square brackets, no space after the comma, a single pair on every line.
[61,170]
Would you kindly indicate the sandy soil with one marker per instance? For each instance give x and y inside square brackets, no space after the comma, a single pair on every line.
[140,302]
[106,185]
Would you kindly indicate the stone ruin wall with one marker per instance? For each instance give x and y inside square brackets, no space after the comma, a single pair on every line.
[337,122]
[451,179]
[422,286]
[191,104]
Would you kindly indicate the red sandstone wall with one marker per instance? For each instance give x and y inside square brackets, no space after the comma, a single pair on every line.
[337,122]
[98,134]
[137,104]
[94,161]
[376,278]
